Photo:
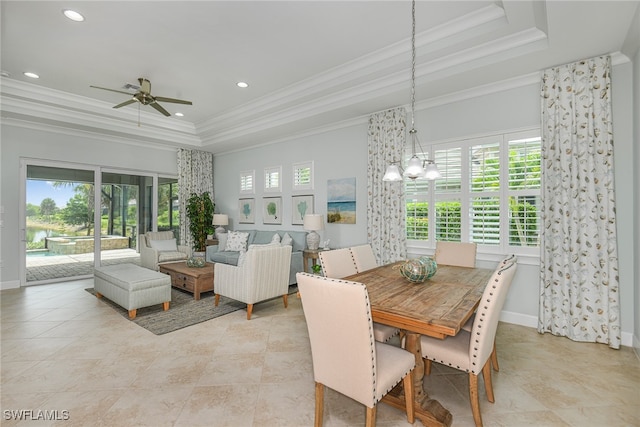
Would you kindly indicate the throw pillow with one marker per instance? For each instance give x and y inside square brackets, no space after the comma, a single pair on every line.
[287,240]
[275,238]
[164,245]
[222,242]
[236,241]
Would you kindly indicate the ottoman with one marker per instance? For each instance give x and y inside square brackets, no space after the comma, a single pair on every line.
[132,287]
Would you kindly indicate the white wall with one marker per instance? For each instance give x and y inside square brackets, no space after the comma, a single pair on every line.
[20,142]
[342,153]
[335,154]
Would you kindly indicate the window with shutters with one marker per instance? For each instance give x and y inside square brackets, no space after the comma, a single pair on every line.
[489,194]
[272,179]
[303,176]
[247,182]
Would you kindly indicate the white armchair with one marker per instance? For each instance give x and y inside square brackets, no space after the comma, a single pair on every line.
[262,275]
[157,247]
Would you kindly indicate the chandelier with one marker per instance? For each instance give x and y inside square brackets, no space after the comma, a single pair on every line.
[416,168]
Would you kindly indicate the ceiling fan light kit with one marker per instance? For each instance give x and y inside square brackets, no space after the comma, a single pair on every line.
[144,97]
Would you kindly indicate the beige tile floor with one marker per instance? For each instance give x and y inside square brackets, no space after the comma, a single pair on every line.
[63,350]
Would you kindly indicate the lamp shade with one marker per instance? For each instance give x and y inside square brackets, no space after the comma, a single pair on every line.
[392,174]
[313,222]
[220,219]
[414,168]
[431,170]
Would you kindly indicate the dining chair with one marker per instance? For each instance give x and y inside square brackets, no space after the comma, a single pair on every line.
[363,257]
[469,325]
[345,356]
[471,351]
[456,253]
[339,263]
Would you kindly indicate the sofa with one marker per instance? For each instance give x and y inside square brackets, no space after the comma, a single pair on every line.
[220,253]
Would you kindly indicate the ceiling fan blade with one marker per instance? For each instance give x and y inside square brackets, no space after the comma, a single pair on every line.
[175,101]
[159,108]
[145,85]
[111,90]
[131,101]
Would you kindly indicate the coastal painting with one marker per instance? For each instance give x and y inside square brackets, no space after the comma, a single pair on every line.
[246,211]
[341,201]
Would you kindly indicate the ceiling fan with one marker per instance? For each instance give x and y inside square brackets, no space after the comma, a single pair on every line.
[144,97]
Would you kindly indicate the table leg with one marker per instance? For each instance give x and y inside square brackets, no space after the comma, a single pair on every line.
[429,411]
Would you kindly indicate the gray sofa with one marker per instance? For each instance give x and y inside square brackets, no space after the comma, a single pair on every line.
[262,237]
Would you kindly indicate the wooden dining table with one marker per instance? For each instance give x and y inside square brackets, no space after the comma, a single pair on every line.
[438,307]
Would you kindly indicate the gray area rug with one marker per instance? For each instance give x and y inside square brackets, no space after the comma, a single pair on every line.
[183,311]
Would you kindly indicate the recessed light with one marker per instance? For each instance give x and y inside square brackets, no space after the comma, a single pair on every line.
[242,84]
[179,114]
[5,73]
[31,75]
[73,15]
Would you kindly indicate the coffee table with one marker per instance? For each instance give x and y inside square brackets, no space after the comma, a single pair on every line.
[192,279]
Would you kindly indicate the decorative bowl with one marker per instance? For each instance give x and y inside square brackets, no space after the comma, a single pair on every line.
[196,261]
[418,270]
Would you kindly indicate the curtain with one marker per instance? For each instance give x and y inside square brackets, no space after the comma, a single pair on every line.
[579,296]
[386,231]
[195,175]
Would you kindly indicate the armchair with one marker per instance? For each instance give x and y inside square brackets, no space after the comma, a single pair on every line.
[157,247]
[262,275]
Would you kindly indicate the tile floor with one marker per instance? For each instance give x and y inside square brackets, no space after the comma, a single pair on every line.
[64,350]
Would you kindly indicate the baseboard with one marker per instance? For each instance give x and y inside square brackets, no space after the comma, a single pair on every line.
[13,284]
[627,339]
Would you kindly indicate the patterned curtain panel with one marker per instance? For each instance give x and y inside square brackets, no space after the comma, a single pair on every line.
[579,259]
[195,175]
[386,205]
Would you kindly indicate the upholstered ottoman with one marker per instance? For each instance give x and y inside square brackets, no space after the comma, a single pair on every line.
[132,287]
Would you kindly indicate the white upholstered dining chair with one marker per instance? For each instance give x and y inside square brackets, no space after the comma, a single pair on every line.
[471,351]
[363,257]
[339,263]
[456,253]
[469,325]
[345,356]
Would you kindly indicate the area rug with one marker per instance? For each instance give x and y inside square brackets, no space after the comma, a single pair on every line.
[183,311]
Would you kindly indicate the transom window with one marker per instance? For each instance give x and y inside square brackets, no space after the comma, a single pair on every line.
[489,194]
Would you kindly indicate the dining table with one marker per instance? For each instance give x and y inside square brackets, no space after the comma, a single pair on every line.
[437,307]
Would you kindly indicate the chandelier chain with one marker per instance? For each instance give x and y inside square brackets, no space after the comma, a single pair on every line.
[413,64]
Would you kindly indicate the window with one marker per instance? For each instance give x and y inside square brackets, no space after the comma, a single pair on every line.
[303,176]
[489,194]
[272,179]
[247,180]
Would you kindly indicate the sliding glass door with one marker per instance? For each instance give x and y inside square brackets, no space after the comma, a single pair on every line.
[59,223]
[69,229]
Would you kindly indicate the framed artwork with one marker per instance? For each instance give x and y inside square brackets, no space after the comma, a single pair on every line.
[341,201]
[246,211]
[300,206]
[272,213]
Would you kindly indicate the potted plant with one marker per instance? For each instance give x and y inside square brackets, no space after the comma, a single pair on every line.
[200,214]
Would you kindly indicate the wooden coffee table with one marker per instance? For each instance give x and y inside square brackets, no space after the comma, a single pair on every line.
[192,279]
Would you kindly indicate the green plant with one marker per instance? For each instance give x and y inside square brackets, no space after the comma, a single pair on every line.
[317,268]
[200,215]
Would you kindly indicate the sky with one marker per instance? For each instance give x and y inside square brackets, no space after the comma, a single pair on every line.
[40,190]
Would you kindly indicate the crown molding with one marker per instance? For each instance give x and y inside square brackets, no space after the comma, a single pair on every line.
[29,102]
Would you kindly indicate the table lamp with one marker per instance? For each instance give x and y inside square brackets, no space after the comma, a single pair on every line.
[220,220]
[313,222]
